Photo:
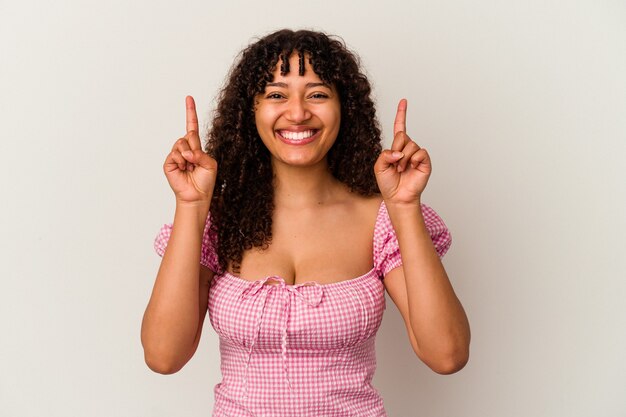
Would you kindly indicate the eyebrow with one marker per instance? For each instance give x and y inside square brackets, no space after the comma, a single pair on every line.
[308,85]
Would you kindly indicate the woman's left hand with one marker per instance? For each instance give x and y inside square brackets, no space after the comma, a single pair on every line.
[402,171]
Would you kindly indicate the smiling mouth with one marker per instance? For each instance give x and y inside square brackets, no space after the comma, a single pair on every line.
[297,136]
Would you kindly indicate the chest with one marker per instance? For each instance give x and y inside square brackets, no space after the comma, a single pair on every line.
[325,246]
[308,318]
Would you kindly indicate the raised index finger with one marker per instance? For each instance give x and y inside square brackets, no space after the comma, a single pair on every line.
[192,117]
[399,125]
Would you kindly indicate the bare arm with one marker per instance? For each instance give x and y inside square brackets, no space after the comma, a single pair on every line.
[437,324]
[438,327]
[172,322]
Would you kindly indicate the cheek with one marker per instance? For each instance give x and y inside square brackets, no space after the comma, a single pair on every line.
[336,117]
[265,118]
[257,119]
[261,121]
[337,113]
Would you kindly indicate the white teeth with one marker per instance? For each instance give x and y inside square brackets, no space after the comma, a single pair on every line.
[296,135]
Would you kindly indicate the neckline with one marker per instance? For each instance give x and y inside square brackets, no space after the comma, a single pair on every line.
[330,284]
[304,284]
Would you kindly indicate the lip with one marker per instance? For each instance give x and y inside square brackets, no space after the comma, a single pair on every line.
[298,142]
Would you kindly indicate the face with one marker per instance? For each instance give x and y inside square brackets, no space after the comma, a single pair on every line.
[298,116]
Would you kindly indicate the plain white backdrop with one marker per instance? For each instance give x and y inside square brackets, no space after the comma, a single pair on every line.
[521,105]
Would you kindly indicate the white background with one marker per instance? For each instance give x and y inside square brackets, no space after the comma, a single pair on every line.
[521,105]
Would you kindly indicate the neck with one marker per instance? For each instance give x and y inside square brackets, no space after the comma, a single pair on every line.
[305,187]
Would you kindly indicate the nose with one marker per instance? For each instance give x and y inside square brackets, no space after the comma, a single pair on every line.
[297,110]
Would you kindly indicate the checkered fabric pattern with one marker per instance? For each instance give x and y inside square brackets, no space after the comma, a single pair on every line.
[306,349]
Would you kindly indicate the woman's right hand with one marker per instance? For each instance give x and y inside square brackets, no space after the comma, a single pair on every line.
[189,170]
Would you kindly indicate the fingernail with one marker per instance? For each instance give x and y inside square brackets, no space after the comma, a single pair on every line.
[187,154]
[397,154]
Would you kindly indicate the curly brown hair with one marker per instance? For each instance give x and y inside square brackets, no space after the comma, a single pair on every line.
[243,197]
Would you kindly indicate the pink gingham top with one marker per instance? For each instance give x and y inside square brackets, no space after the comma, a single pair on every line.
[305,349]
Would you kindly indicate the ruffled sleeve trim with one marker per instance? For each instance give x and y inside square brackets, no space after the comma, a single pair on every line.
[208,253]
[386,248]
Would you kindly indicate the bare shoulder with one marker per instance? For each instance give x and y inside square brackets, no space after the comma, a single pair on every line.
[366,206]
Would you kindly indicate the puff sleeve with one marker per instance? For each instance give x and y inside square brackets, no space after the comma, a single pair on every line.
[386,248]
[208,253]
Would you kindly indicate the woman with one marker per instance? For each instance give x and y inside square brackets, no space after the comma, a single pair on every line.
[289,229]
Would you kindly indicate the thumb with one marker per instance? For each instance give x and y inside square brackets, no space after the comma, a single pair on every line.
[200,158]
[386,159]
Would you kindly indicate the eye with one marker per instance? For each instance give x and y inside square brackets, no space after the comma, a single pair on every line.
[318,96]
[274,96]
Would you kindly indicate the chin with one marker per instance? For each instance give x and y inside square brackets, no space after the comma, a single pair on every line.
[300,160]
